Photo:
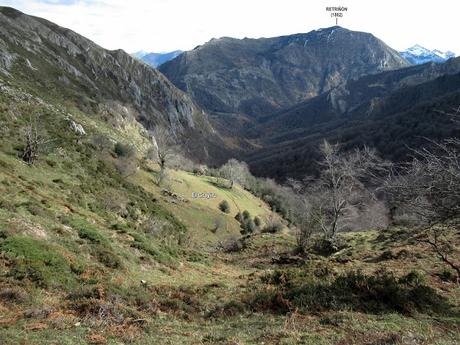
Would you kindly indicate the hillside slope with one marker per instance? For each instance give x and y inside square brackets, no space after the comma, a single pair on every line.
[392,112]
[58,63]
[92,251]
[74,222]
[89,256]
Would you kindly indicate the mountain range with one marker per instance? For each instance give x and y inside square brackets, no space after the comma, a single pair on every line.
[267,101]
[419,55]
[276,98]
[392,112]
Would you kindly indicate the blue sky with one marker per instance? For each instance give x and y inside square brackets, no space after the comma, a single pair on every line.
[165,25]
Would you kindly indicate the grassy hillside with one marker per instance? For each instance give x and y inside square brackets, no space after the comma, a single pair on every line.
[91,254]
[201,214]
[72,228]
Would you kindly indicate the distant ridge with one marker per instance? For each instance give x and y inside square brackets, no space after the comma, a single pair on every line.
[417,55]
[156,59]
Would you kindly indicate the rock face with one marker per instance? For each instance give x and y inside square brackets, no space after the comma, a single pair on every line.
[69,67]
[260,76]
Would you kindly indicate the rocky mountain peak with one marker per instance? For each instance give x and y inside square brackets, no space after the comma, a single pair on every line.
[260,76]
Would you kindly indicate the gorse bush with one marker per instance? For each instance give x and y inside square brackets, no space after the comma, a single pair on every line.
[13,295]
[107,257]
[447,275]
[382,292]
[123,150]
[224,206]
[100,245]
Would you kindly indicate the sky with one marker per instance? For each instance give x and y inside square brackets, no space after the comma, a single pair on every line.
[166,25]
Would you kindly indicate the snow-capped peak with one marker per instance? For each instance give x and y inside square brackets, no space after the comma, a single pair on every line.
[419,55]
[445,55]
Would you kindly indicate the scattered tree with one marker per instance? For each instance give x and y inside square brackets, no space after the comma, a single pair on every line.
[247,224]
[442,246]
[34,141]
[179,162]
[247,227]
[340,194]
[219,223]
[239,217]
[302,214]
[126,163]
[272,225]
[429,186]
[164,148]
[235,172]
[127,166]
[101,142]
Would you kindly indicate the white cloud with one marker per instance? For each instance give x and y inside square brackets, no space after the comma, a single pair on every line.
[163,25]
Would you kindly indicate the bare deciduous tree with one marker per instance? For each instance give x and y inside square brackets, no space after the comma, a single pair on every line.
[342,187]
[454,115]
[235,171]
[164,148]
[219,223]
[442,246]
[34,141]
[429,188]
[342,192]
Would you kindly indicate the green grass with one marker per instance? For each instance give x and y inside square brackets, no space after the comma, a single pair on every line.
[201,214]
[253,329]
[38,262]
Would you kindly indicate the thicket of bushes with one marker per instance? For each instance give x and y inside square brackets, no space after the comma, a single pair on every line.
[317,291]
[248,224]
